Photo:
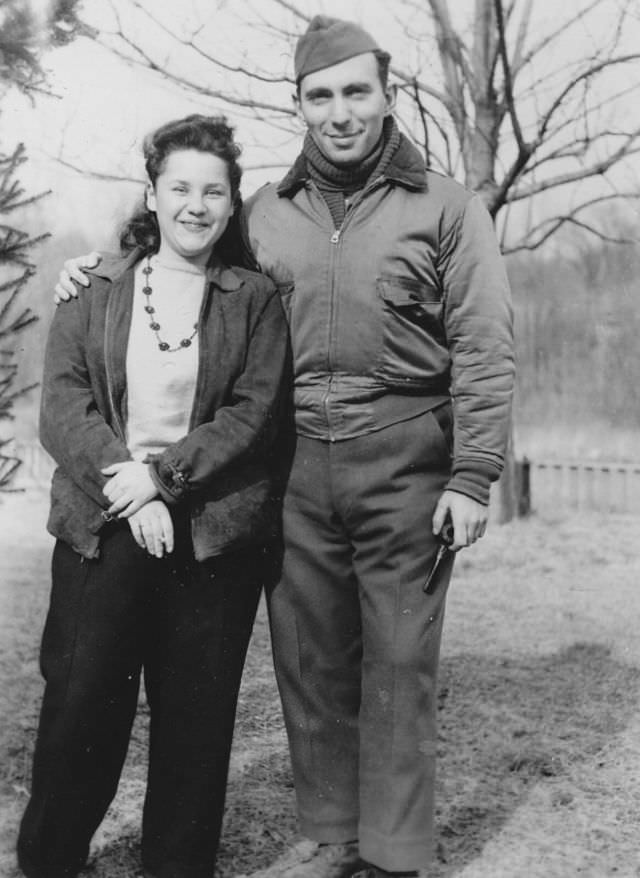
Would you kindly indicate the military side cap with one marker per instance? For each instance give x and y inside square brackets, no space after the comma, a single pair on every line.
[328,41]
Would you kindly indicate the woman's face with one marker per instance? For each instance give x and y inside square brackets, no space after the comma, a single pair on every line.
[192,201]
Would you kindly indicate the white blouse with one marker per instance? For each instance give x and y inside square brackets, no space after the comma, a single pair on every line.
[161,384]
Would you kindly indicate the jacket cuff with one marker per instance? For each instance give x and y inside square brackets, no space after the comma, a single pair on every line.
[170,482]
[473,478]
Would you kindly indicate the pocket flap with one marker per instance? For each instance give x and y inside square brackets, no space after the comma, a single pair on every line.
[405,291]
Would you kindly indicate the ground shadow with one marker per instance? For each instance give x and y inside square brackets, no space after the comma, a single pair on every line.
[505,724]
[508,723]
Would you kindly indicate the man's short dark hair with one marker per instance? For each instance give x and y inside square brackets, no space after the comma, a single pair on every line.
[384,62]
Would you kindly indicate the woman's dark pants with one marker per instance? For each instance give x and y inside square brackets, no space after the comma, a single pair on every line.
[188,625]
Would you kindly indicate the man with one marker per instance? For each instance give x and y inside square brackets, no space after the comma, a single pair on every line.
[400,323]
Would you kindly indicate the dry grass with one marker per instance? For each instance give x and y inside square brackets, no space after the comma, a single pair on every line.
[539,719]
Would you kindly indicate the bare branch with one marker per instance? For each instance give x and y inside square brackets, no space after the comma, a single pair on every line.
[508,84]
[533,243]
[97,175]
[425,129]
[596,169]
[573,120]
[143,59]
[521,36]
[525,152]
[183,82]
[291,7]
[252,74]
[576,149]
[422,86]
[451,61]
[581,77]
[435,161]
[550,38]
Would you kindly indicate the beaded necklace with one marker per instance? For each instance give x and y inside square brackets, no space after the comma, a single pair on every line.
[153,321]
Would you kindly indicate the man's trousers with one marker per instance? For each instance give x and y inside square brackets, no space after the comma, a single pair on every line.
[188,625]
[356,639]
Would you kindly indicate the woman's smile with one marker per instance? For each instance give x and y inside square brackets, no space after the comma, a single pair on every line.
[194,225]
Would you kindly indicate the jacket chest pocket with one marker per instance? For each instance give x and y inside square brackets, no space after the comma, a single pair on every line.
[413,345]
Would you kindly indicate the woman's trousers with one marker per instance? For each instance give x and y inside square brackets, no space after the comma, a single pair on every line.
[187,624]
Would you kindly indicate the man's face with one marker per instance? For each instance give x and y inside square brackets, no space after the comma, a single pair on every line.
[344,108]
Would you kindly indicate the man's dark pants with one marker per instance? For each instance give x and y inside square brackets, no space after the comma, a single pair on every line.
[188,624]
[356,639]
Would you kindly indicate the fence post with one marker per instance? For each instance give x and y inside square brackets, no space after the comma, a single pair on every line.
[523,481]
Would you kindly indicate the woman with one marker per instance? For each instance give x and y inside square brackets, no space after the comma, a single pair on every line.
[161,397]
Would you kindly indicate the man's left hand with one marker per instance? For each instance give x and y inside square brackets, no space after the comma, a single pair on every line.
[469,518]
[129,487]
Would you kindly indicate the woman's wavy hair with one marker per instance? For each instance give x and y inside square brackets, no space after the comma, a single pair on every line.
[211,134]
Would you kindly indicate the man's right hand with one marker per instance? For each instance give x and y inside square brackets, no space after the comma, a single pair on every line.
[65,288]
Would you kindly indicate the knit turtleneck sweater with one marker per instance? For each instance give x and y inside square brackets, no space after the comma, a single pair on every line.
[336,184]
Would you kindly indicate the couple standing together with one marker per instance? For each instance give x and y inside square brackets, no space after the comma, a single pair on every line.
[190,476]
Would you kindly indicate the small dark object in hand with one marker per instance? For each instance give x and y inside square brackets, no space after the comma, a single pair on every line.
[445,537]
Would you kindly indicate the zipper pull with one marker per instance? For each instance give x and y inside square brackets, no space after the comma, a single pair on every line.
[335,237]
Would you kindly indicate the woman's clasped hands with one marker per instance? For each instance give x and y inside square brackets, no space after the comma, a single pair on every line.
[133,495]
[152,528]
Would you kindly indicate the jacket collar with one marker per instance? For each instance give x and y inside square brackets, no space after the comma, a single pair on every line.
[222,276]
[113,267]
[405,168]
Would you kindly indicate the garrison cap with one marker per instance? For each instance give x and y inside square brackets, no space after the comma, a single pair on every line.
[328,41]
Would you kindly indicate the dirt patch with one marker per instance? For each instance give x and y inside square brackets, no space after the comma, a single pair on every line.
[539,769]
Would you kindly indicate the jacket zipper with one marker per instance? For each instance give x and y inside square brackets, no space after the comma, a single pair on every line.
[335,241]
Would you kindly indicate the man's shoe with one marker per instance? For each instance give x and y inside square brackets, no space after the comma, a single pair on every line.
[312,860]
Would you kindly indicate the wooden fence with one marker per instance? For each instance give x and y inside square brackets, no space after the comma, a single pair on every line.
[609,487]
[553,485]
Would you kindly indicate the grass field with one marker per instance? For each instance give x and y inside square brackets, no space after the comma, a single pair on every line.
[539,772]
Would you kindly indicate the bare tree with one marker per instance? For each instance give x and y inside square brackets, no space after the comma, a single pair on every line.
[517,107]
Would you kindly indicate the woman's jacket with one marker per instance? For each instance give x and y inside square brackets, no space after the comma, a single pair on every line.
[220,469]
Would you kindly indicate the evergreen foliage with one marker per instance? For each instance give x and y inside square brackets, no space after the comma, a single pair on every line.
[23,37]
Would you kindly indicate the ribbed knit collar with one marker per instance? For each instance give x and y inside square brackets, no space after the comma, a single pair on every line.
[405,166]
[328,176]
[336,184]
